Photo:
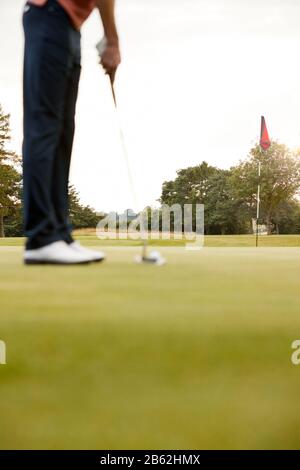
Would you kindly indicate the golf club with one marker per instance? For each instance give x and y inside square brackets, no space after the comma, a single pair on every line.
[154,257]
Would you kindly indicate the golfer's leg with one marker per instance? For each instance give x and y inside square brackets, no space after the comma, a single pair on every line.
[46,67]
[63,158]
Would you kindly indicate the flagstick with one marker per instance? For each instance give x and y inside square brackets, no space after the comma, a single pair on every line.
[265,144]
[258,203]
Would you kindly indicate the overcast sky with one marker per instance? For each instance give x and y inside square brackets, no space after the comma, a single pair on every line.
[196,77]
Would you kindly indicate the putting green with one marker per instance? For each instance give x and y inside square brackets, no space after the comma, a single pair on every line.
[194,354]
[232,241]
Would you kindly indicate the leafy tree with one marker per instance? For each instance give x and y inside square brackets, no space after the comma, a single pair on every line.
[287,217]
[280,180]
[189,187]
[81,216]
[13,223]
[211,186]
[10,178]
[224,212]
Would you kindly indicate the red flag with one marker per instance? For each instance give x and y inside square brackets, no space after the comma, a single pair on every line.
[265,142]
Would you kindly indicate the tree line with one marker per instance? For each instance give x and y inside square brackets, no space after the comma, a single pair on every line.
[11,210]
[229,196]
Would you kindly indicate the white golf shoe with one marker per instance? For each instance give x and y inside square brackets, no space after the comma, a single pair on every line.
[94,255]
[55,253]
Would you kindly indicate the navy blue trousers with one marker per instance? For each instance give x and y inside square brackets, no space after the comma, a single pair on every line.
[51,77]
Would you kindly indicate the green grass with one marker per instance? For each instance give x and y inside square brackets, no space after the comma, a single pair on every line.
[210,241]
[194,354]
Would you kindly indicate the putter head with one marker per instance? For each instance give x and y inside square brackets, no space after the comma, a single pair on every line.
[154,258]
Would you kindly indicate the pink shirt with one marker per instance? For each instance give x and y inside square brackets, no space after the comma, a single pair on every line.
[78,10]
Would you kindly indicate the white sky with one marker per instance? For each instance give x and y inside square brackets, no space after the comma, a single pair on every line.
[195,78]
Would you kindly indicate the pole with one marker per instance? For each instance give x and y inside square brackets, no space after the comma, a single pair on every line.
[130,177]
[124,148]
[258,202]
[265,144]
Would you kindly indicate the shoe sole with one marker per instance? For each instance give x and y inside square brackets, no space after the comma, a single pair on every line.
[44,262]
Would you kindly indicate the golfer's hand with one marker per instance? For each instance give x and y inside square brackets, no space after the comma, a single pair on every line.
[110,59]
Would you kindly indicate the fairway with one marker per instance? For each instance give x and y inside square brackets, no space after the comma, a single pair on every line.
[195,354]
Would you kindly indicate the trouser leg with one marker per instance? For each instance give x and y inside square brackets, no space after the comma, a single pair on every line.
[62,159]
[48,69]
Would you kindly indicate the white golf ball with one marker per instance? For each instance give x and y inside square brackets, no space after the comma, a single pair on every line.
[155,255]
